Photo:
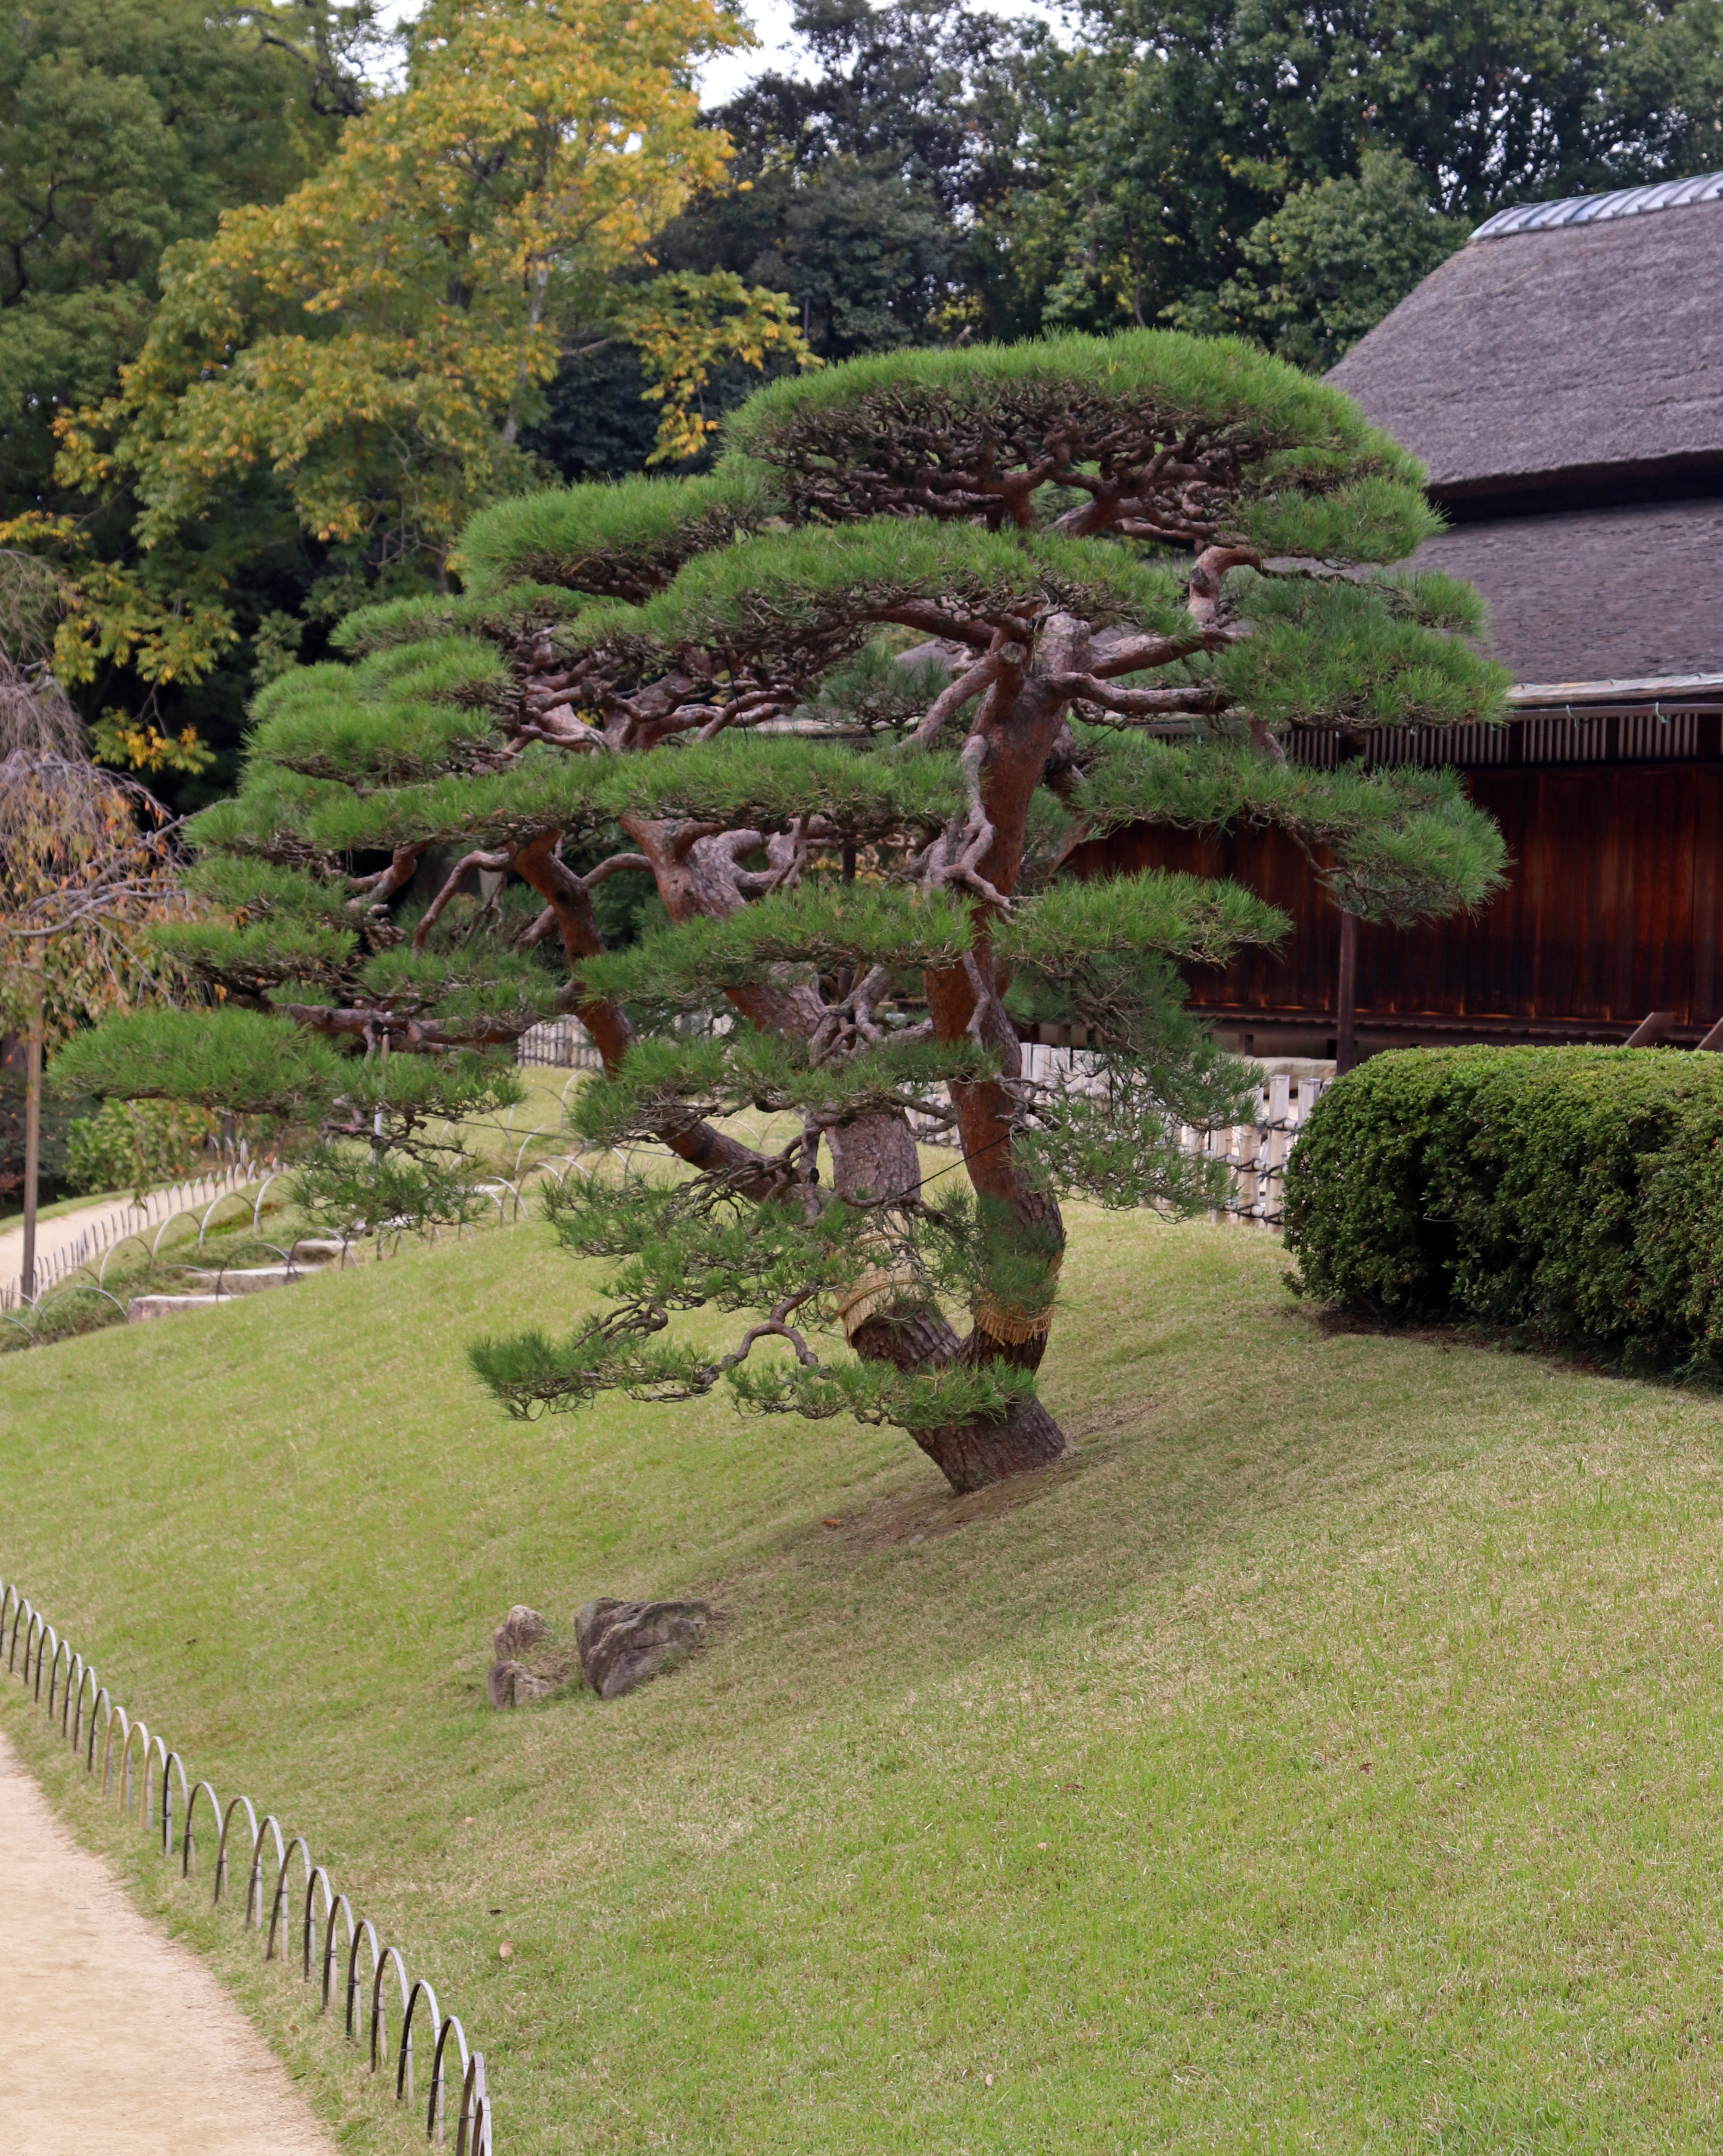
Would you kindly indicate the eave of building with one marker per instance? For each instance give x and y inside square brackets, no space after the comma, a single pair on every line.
[1686,690]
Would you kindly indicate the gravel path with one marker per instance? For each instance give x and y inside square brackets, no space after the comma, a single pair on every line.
[118,2038]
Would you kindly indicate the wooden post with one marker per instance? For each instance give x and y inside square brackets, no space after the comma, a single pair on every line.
[32,1134]
[1345,1030]
[1654,1028]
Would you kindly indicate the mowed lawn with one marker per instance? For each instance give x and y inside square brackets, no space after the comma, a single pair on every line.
[1328,1759]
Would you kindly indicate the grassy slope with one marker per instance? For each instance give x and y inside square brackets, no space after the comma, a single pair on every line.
[1330,1759]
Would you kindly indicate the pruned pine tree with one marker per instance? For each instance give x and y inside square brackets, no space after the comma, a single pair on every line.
[849,704]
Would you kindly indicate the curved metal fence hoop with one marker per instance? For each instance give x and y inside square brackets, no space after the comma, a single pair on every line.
[88,1681]
[155,1745]
[340,1907]
[238,1191]
[116,1713]
[221,1854]
[89,1287]
[95,1710]
[547,1167]
[61,1647]
[311,1922]
[437,2112]
[364,1934]
[278,1904]
[185,1213]
[474,2102]
[254,1883]
[25,1616]
[55,1689]
[404,2049]
[138,1729]
[172,1760]
[42,1639]
[188,1832]
[136,1235]
[11,1599]
[257,1210]
[379,2021]
[544,1131]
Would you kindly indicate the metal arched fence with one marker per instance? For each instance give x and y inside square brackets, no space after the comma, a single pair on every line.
[350,1965]
[196,1199]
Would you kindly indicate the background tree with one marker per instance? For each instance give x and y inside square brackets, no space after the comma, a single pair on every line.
[127,126]
[864,194]
[83,857]
[1122,568]
[365,350]
[1333,260]
[1167,144]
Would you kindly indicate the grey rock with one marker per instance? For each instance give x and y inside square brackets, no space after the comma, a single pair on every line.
[511,1684]
[623,1644]
[521,1628]
[513,1680]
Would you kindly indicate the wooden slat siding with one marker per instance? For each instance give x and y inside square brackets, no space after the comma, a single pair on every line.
[1611,910]
[1708,830]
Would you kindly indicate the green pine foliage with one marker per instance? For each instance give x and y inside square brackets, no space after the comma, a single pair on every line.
[1401,844]
[846,707]
[227,1058]
[621,542]
[514,610]
[398,715]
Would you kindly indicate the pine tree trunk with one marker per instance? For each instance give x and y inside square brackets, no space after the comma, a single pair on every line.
[876,1153]
[975,1454]
[969,1455]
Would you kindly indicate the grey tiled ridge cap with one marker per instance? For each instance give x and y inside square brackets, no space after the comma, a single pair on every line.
[1596,209]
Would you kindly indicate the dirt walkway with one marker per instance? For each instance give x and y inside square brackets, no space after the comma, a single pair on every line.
[105,1221]
[118,2038]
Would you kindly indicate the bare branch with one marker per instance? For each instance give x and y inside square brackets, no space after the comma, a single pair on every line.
[951,699]
[457,875]
[618,865]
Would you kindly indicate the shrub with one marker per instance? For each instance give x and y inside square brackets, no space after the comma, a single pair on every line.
[1576,1192]
[135,1145]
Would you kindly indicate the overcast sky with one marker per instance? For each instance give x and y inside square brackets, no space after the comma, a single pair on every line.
[770,19]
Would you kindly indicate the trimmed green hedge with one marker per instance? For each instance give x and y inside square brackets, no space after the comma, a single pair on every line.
[1576,1192]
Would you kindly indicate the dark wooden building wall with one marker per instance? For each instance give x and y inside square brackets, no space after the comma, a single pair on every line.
[1611,912]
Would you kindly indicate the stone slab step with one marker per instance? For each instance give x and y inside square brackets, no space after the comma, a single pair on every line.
[142,1308]
[247,1279]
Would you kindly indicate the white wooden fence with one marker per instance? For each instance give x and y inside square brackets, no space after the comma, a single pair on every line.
[1254,1153]
[63,1252]
[561,1043]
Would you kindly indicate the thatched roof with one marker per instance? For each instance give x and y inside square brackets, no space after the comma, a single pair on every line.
[1600,595]
[1586,351]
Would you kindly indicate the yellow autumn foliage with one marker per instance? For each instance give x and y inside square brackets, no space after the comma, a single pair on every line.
[370,341]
